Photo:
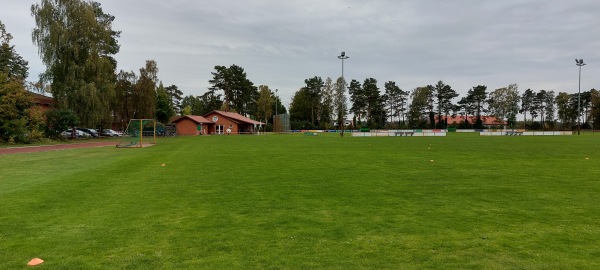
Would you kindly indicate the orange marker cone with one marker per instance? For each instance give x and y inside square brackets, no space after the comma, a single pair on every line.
[35,261]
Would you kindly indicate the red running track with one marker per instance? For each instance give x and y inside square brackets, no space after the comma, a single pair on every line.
[45,148]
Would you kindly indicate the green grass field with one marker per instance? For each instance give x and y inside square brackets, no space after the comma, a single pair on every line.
[295,202]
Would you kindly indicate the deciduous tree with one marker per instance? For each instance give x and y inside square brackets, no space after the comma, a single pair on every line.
[14,103]
[301,109]
[326,107]
[563,108]
[125,88]
[164,108]
[586,104]
[504,104]
[264,103]
[60,120]
[314,89]
[193,103]
[144,96]
[340,108]
[76,43]
[419,108]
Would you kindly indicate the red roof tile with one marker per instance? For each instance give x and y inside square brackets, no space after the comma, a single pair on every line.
[196,118]
[487,120]
[41,99]
[237,117]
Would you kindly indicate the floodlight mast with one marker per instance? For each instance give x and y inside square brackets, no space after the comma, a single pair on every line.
[343,57]
[579,63]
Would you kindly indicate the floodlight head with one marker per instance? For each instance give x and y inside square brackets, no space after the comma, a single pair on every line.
[343,54]
[577,61]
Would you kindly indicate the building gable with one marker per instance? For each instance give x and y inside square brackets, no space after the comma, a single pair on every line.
[232,117]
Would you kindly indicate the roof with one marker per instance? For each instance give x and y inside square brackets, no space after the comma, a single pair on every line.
[195,118]
[41,99]
[487,120]
[236,117]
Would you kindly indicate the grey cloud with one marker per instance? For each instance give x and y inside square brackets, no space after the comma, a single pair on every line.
[281,43]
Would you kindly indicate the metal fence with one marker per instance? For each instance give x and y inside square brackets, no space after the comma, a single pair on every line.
[281,123]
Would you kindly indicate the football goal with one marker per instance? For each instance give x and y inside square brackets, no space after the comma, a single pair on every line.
[139,133]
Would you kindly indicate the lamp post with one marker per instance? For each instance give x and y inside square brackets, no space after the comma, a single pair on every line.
[579,63]
[343,57]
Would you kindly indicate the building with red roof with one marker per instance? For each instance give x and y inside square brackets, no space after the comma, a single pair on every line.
[215,122]
[229,122]
[191,124]
[45,103]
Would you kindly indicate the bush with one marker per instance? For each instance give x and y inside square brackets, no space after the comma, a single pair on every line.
[14,131]
[36,125]
[59,121]
[14,101]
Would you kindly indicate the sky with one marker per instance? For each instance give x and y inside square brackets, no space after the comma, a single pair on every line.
[464,43]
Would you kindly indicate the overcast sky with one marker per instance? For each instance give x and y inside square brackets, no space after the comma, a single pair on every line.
[464,43]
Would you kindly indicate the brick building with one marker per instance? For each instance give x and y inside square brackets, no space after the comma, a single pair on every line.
[216,122]
[191,125]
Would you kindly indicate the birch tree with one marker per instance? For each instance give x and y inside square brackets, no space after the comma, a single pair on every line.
[504,104]
[76,43]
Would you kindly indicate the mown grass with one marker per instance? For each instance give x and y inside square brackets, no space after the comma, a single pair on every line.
[295,202]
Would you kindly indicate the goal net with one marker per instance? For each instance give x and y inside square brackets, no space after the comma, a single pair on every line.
[139,133]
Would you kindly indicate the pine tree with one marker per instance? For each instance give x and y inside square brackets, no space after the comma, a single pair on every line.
[11,63]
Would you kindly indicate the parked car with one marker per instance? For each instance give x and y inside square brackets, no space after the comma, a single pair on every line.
[91,131]
[77,134]
[110,133]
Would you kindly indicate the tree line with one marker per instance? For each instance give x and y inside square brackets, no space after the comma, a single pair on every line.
[77,44]
[431,106]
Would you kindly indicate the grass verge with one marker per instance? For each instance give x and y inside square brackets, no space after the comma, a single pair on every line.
[294,202]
